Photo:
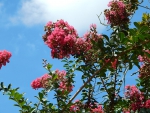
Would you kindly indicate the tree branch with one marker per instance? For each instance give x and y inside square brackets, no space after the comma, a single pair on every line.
[121,54]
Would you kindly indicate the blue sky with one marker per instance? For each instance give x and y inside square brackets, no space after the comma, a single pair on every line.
[21,29]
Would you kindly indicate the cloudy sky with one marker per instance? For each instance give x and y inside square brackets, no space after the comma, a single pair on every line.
[21,29]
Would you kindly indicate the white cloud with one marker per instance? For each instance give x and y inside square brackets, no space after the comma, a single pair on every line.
[78,13]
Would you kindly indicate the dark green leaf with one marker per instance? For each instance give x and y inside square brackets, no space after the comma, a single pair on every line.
[137,25]
[143,29]
[121,36]
[106,37]
[41,95]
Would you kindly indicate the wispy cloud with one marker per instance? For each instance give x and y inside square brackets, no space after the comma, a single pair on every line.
[16,50]
[31,46]
[78,13]
[1,5]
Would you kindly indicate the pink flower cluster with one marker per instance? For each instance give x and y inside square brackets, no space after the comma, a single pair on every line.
[137,98]
[63,81]
[90,54]
[63,40]
[147,104]
[145,67]
[144,58]
[98,109]
[41,82]
[46,81]
[126,110]
[94,108]
[60,37]
[74,108]
[4,57]
[117,14]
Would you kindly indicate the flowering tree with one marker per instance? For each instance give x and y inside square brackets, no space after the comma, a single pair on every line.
[104,62]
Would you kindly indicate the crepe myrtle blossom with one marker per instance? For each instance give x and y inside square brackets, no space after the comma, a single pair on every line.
[117,14]
[46,80]
[41,82]
[136,97]
[98,109]
[60,37]
[74,108]
[93,26]
[4,57]
[147,104]
[64,41]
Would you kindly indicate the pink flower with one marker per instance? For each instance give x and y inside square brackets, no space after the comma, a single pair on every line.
[63,86]
[4,57]
[61,74]
[114,64]
[60,37]
[140,58]
[117,14]
[45,80]
[147,104]
[127,87]
[98,109]
[136,97]
[63,40]
[42,82]
[93,26]
[36,83]
[125,110]
[49,23]
[74,108]
[107,60]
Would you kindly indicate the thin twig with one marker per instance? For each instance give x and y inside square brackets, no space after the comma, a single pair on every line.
[100,19]
[146,7]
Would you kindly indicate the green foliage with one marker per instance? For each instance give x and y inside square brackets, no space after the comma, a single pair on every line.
[103,73]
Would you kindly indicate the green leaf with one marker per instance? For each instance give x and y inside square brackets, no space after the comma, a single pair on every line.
[54,76]
[16,105]
[12,92]
[99,83]
[9,86]
[130,65]
[49,66]
[121,36]
[102,89]
[41,95]
[2,85]
[143,29]
[133,31]
[137,25]
[135,38]
[18,96]
[106,37]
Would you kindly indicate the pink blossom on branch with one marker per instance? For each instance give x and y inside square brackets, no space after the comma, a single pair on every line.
[98,109]
[136,97]
[74,108]
[93,26]
[4,57]
[60,37]
[147,104]
[64,41]
[47,81]
[117,14]
[41,82]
